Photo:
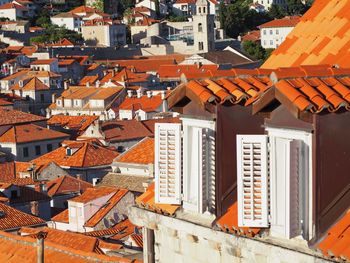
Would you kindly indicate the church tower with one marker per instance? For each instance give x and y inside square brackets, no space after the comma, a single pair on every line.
[203,28]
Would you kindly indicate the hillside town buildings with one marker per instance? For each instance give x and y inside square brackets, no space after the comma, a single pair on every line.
[145,134]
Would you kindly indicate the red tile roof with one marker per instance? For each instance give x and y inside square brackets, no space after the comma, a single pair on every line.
[28,194]
[288,21]
[125,130]
[337,242]
[69,239]
[150,124]
[138,239]
[118,229]
[93,193]
[44,61]
[147,201]
[25,133]
[8,117]
[87,154]
[66,184]
[252,36]
[14,249]
[143,103]
[126,75]
[88,79]
[317,94]
[321,37]
[103,211]
[141,153]
[31,84]
[80,123]
[61,217]
[11,218]
[229,223]
[11,170]
[12,6]
[185,2]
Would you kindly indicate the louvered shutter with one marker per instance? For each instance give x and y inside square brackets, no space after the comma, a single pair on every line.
[294,226]
[252,180]
[168,163]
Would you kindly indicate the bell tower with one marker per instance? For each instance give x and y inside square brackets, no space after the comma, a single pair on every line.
[203,28]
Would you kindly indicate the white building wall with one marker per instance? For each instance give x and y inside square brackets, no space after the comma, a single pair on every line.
[272,37]
[68,22]
[9,13]
[182,241]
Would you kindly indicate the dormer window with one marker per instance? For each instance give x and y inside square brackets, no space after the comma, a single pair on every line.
[68,151]
[185,164]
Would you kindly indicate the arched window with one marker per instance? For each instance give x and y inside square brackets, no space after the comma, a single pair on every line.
[200,27]
[199,10]
[204,10]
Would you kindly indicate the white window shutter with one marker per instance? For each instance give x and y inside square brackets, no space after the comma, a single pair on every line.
[294,226]
[252,180]
[168,163]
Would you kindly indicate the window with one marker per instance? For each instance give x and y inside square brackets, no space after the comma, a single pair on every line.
[283,176]
[200,27]
[37,150]
[264,31]
[182,166]
[49,147]
[277,32]
[271,32]
[199,10]
[271,42]
[204,10]
[25,152]
[200,46]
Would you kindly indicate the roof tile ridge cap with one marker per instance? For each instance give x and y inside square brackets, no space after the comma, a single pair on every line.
[85,152]
[63,177]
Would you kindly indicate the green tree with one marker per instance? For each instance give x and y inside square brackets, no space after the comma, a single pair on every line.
[294,7]
[276,12]
[98,4]
[256,50]
[54,33]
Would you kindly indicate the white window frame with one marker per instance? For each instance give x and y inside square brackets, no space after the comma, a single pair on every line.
[306,137]
[194,185]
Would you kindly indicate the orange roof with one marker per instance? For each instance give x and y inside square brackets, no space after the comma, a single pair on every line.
[321,37]
[336,243]
[44,61]
[146,200]
[85,154]
[317,94]
[143,103]
[288,21]
[95,93]
[103,211]
[118,229]
[88,79]
[137,238]
[14,249]
[229,223]
[185,2]
[32,84]
[66,62]
[72,122]
[29,133]
[66,184]
[84,9]
[10,170]
[8,117]
[126,75]
[11,6]
[141,153]
[11,218]
[61,217]
[69,239]
[93,193]
[235,90]
[252,36]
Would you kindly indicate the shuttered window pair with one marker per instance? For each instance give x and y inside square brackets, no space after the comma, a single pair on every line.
[255,164]
[185,165]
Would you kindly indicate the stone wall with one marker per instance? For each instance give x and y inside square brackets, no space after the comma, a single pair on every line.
[181,241]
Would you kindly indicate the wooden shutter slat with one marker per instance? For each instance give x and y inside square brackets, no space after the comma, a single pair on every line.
[252,179]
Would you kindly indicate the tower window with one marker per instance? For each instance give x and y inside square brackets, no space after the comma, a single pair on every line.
[204,10]
[200,27]
[200,46]
[199,10]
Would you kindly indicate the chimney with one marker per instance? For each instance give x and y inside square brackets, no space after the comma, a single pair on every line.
[40,246]
[129,93]
[66,85]
[53,98]
[97,84]
[79,176]
[113,73]
[34,208]
[149,94]
[139,93]
[88,84]
[20,83]
[11,70]
[43,188]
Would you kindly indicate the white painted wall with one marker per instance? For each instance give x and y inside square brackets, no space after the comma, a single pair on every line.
[272,37]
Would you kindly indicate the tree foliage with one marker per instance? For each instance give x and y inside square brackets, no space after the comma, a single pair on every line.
[256,50]
[54,33]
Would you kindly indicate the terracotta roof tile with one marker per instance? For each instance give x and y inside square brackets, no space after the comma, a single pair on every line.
[336,243]
[8,117]
[321,37]
[11,218]
[141,153]
[15,249]
[147,201]
[116,229]
[31,84]
[143,103]
[138,239]
[93,193]
[288,21]
[80,123]
[102,212]
[28,194]
[61,217]
[85,154]
[30,133]
[150,124]
[66,184]
[229,223]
